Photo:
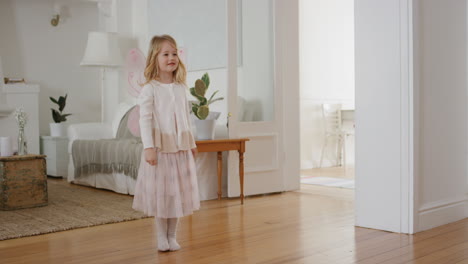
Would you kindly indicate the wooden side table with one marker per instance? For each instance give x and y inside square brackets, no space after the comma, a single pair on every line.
[220,145]
[56,150]
[23,182]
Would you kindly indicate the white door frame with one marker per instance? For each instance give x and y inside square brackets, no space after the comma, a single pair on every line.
[385,113]
[288,60]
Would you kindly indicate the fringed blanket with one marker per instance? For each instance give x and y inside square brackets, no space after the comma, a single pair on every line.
[121,155]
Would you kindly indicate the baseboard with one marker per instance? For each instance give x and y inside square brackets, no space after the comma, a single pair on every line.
[442,212]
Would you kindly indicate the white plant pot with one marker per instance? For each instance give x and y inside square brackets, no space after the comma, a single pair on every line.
[205,129]
[58,130]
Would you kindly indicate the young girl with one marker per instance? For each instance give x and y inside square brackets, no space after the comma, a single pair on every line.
[166,186]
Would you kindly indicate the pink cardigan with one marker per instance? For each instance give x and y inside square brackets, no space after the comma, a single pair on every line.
[165,117]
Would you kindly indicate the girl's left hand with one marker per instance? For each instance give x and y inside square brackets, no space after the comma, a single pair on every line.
[194,152]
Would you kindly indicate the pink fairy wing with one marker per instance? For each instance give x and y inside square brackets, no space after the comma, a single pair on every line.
[183,54]
[135,79]
[133,122]
[135,67]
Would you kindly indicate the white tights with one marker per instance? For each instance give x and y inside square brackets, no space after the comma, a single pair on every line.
[166,233]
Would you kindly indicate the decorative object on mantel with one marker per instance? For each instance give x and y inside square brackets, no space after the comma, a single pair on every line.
[21,118]
[13,80]
[205,121]
[58,129]
[102,51]
[5,109]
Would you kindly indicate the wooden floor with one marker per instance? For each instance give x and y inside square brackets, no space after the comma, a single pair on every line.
[313,225]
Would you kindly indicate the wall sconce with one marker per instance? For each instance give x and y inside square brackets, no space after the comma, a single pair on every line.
[56,17]
[55,20]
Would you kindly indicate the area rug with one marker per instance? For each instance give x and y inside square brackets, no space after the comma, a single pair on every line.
[328,181]
[70,206]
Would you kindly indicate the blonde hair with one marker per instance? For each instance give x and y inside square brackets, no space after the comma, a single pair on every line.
[152,67]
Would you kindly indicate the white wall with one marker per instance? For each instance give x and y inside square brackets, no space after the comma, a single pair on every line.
[141,24]
[198,26]
[327,71]
[443,112]
[50,56]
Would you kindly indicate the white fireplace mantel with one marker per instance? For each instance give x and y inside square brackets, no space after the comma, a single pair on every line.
[5,110]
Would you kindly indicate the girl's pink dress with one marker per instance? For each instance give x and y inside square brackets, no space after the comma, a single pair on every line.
[169,189]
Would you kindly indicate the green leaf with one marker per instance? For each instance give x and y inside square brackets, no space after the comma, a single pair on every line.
[195,109]
[200,87]
[56,116]
[194,94]
[213,95]
[203,112]
[53,100]
[206,79]
[62,101]
[217,99]
[63,117]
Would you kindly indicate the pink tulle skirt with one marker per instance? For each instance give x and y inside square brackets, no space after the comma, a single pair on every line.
[169,189]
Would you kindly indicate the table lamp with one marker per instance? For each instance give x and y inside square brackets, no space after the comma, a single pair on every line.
[102,51]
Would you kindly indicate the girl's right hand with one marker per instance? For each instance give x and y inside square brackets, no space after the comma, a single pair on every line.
[151,157]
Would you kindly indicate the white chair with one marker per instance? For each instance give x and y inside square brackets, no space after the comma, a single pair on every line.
[332,122]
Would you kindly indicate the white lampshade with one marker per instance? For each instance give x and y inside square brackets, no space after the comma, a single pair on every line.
[102,50]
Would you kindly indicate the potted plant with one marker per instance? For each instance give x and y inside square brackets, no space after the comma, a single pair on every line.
[57,129]
[205,121]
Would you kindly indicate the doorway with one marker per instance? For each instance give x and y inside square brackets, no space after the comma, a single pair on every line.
[327,92]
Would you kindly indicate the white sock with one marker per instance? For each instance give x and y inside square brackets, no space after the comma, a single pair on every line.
[161,229]
[171,234]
